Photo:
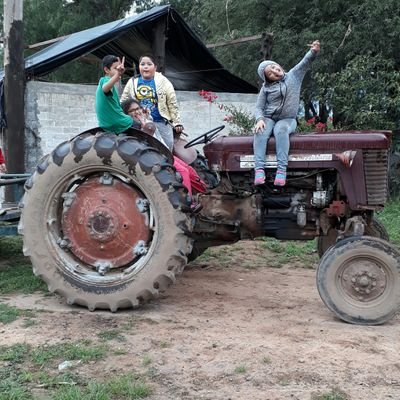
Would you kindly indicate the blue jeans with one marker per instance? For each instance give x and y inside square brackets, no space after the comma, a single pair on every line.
[281,130]
[166,133]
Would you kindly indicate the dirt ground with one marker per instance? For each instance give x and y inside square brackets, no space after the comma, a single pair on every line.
[232,333]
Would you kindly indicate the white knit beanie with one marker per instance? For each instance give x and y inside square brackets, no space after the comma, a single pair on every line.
[262,66]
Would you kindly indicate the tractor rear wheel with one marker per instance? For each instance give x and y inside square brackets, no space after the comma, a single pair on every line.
[103,221]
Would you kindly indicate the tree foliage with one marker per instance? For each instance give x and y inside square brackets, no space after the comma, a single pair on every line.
[365,94]
[45,20]
[357,37]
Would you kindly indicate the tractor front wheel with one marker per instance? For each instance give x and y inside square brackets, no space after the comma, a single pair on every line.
[358,279]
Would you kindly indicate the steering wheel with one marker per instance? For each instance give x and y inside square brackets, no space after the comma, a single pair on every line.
[205,137]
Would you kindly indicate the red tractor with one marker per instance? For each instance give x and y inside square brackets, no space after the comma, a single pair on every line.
[107,224]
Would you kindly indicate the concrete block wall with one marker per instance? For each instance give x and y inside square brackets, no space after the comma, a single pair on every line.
[56,112]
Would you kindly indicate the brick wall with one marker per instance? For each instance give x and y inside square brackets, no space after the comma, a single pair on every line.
[56,112]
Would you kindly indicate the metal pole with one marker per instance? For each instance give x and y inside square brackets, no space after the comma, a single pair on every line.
[14,89]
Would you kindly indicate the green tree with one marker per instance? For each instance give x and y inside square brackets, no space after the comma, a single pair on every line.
[42,20]
[347,30]
[45,20]
[366,94]
[65,17]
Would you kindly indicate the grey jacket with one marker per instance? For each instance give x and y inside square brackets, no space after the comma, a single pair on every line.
[281,99]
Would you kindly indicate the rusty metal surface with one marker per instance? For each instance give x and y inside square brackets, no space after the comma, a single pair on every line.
[337,208]
[226,151]
[376,164]
[321,141]
[103,223]
[232,211]
[363,279]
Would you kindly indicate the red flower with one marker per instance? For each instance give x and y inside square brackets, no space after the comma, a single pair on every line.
[228,118]
[310,121]
[209,96]
[321,127]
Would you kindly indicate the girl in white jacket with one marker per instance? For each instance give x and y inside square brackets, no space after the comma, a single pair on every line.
[156,94]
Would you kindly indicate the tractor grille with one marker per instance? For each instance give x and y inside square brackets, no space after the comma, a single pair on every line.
[376,176]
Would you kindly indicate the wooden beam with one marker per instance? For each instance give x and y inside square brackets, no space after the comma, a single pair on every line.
[40,45]
[234,41]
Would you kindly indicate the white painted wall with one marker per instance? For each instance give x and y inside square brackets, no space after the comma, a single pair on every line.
[56,112]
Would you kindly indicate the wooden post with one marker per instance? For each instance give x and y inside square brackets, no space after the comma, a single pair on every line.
[14,89]
[266,45]
[158,47]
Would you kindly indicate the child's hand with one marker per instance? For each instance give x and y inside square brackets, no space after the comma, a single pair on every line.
[121,67]
[315,46]
[178,128]
[260,125]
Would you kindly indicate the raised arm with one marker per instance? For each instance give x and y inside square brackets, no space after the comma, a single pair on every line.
[301,68]
[120,69]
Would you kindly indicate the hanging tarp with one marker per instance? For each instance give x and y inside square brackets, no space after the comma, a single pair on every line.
[188,63]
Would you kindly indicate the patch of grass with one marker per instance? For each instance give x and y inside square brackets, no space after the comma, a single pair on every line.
[264,251]
[124,387]
[206,257]
[240,369]
[11,384]
[332,395]
[290,252]
[44,379]
[28,322]
[10,246]
[68,351]
[273,245]
[390,217]
[45,354]
[20,278]
[9,314]
[147,360]
[224,256]
[112,334]
[129,324]
[16,272]
[12,389]
[16,353]
[27,368]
